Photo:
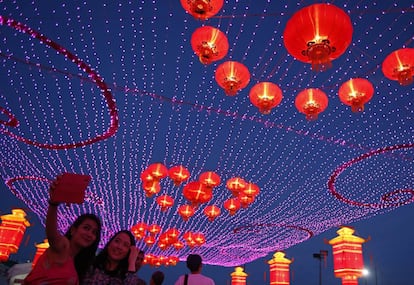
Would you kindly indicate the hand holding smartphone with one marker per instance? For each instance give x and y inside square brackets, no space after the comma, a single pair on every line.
[70,188]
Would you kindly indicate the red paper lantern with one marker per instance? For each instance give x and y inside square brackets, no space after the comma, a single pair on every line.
[138,230]
[154,229]
[210,44]
[251,190]
[232,76]
[318,34]
[158,171]
[173,234]
[399,65]
[212,212]
[232,205]
[265,96]
[235,185]
[178,174]
[12,229]
[355,93]
[186,211]
[347,255]
[238,277]
[165,202]
[199,238]
[197,193]
[149,240]
[178,245]
[279,269]
[202,9]
[311,102]
[151,188]
[40,249]
[245,200]
[210,179]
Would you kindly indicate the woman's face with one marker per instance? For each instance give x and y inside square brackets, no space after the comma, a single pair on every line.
[85,234]
[119,247]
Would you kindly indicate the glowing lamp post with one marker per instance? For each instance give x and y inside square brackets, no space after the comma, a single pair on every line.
[347,255]
[41,248]
[279,269]
[238,277]
[12,229]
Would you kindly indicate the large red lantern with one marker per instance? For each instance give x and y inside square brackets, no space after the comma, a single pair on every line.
[265,96]
[238,277]
[279,269]
[40,249]
[178,174]
[202,9]
[151,188]
[197,193]
[165,202]
[232,76]
[318,34]
[149,240]
[12,230]
[311,102]
[347,255]
[212,212]
[210,44]
[399,65]
[355,93]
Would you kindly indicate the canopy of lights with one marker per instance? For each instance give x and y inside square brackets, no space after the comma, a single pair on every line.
[227,128]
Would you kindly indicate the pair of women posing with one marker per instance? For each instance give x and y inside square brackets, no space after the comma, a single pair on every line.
[71,260]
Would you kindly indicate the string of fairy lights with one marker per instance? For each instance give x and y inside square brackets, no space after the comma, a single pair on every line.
[172,111]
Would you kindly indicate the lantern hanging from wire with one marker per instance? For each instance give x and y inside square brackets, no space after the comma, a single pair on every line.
[212,212]
[232,76]
[138,230]
[165,202]
[245,200]
[202,9]
[265,96]
[311,102]
[178,174]
[399,66]
[279,269]
[149,240]
[151,188]
[238,277]
[209,44]
[318,34]
[178,245]
[12,229]
[356,93]
[232,205]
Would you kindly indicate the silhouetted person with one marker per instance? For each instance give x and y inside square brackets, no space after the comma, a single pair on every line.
[157,278]
[194,264]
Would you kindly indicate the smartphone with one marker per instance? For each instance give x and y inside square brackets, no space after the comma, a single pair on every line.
[70,188]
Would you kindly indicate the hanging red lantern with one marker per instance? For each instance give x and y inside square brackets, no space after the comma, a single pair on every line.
[178,174]
[173,234]
[138,230]
[311,102]
[347,255]
[245,200]
[235,185]
[232,76]
[209,44]
[146,177]
[251,190]
[12,230]
[202,9]
[212,212]
[232,205]
[40,249]
[158,171]
[154,229]
[210,179]
[199,238]
[151,188]
[197,193]
[238,277]
[265,96]
[279,269]
[399,65]
[165,202]
[178,245]
[149,240]
[318,34]
[186,211]
[355,93]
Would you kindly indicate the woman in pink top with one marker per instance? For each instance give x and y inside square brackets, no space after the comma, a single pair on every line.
[69,255]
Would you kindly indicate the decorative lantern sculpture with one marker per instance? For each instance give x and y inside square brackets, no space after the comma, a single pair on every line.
[355,93]
[165,202]
[279,269]
[318,34]
[265,96]
[210,44]
[347,255]
[232,76]
[12,230]
[212,212]
[202,9]
[311,102]
[399,65]
[40,249]
[238,277]
[178,174]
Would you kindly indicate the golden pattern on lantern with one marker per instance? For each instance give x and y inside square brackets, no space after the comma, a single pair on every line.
[178,174]
[165,202]
[232,76]
[399,66]
[209,44]
[212,212]
[311,102]
[202,9]
[40,249]
[356,93]
[279,269]
[318,34]
[265,96]
[238,277]
[197,193]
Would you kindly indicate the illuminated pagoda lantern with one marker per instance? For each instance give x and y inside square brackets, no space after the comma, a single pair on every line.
[347,255]
[311,102]
[238,277]
[232,76]
[279,269]
[202,9]
[40,249]
[209,44]
[318,34]
[178,174]
[265,96]
[356,93]
[399,66]
[12,230]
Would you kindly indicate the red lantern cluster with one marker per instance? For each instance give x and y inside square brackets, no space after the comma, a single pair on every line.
[399,66]
[160,260]
[243,192]
[209,44]
[194,239]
